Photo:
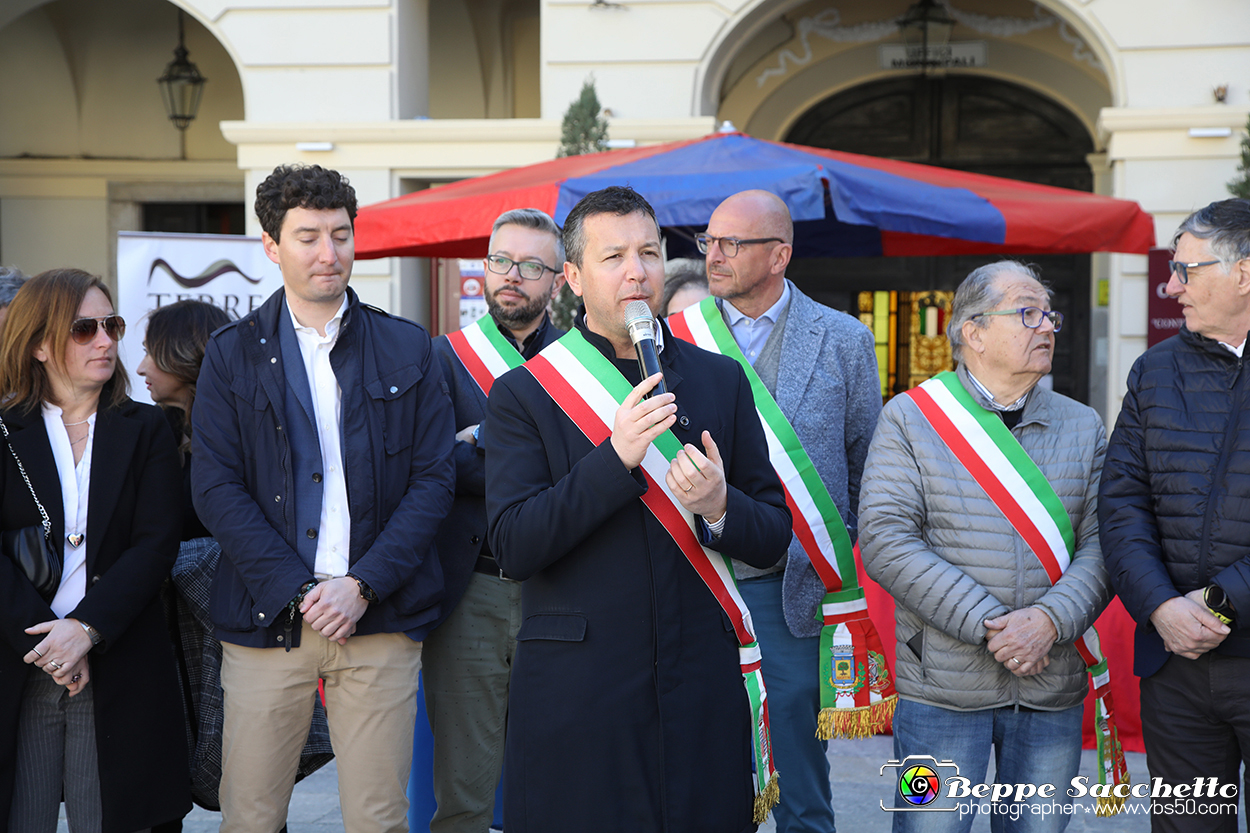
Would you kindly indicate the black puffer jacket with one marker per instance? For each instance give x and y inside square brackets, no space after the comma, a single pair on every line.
[1174,505]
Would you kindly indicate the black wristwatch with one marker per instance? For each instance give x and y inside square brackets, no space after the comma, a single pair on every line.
[366,592]
[1217,602]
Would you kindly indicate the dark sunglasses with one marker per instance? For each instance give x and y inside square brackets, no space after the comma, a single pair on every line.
[84,329]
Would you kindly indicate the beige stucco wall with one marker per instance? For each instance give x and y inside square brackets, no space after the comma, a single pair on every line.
[361,74]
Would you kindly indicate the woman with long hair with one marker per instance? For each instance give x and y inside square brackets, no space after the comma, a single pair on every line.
[89,707]
[174,350]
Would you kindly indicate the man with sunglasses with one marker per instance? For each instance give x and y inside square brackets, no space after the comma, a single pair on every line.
[322,464]
[820,366]
[978,515]
[1175,515]
[468,658]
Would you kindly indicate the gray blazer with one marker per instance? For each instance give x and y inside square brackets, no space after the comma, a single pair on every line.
[828,387]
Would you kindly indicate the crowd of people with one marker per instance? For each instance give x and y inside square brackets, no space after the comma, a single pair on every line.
[633,594]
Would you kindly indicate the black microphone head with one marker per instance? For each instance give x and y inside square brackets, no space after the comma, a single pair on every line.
[639,321]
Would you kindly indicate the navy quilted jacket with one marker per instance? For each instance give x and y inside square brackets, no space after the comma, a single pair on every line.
[1174,504]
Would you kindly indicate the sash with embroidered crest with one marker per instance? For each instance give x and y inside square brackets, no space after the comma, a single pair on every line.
[1010,478]
[484,352]
[857,695]
[589,389]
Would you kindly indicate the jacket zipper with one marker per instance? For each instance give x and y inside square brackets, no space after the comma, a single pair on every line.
[1230,431]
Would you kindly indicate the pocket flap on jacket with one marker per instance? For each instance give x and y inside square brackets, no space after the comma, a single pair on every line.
[560,627]
[395,383]
[249,390]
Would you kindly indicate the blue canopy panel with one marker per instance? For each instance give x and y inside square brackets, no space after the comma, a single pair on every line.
[868,197]
[688,183]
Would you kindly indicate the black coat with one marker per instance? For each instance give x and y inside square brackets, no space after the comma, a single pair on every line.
[460,535]
[1174,505]
[132,541]
[627,709]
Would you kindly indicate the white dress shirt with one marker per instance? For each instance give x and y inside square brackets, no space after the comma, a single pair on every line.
[334,531]
[75,490]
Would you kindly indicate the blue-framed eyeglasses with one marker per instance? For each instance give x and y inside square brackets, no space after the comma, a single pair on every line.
[1182,269]
[1031,317]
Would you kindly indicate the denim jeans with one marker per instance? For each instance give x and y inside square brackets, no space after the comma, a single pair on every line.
[1030,747]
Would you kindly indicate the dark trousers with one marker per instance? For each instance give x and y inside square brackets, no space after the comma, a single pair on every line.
[1195,718]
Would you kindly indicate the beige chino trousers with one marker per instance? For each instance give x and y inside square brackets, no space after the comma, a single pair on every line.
[371,706]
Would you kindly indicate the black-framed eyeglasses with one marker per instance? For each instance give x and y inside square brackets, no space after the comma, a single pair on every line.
[84,329]
[1031,317]
[729,245]
[531,270]
[1182,269]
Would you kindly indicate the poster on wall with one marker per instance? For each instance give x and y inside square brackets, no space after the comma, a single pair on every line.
[1164,313]
[157,269]
[472,291]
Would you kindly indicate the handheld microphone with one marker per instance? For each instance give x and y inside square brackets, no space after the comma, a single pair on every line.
[640,324]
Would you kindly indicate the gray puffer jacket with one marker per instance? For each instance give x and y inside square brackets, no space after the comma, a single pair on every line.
[934,540]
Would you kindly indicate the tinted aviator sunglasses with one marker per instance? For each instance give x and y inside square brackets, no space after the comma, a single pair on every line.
[84,329]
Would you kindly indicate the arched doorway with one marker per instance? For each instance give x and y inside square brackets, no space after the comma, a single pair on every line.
[971,123]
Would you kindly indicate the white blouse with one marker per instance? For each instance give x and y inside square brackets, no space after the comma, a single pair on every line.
[75,490]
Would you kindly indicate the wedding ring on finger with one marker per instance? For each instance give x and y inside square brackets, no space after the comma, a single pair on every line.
[37,651]
[1016,661]
[54,665]
[688,488]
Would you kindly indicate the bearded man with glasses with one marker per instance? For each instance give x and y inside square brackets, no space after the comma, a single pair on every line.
[468,657]
[1175,514]
[978,515]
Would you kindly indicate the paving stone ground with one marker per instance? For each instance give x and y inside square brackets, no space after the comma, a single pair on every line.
[858,789]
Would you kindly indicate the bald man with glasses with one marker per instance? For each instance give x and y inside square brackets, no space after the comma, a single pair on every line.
[820,367]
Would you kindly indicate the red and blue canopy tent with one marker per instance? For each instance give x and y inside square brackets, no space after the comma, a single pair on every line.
[843,204]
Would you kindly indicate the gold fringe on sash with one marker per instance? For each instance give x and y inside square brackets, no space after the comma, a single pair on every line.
[1109,806]
[767,800]
[858,723]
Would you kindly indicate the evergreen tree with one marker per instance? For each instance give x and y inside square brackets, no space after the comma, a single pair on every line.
[584,130]
[1240,187]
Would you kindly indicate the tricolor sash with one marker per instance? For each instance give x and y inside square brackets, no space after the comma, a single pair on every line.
[856,689]
[589,389]
[484,352]
[1010,478]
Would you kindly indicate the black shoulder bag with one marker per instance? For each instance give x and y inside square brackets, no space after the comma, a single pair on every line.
[32,547]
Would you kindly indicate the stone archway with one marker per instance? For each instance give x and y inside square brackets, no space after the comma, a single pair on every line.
[970,123]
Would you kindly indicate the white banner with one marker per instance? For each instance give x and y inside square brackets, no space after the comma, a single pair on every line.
[157,269]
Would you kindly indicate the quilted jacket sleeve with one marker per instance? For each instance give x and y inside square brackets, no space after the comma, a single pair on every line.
[892,535]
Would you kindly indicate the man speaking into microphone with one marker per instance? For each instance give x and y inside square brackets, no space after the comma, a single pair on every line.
[636,698]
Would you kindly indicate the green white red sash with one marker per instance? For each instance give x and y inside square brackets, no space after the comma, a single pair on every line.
[484,352]
[589,389]
[857,695]
[1010,478]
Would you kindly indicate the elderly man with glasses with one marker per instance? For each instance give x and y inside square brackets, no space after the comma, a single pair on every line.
[1175,517]
[978,514]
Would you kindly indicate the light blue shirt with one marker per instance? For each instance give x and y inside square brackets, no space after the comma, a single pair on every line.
[752,333]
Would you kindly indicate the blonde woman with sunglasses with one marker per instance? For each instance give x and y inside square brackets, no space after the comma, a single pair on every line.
[89,708]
